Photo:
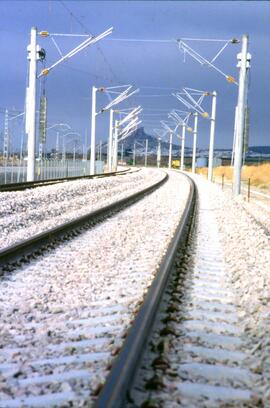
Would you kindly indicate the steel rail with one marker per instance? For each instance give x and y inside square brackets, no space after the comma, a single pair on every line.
[115,391]
[19,252]
[39,183]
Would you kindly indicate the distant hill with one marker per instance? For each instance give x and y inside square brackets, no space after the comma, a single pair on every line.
[259,149]
[139,136]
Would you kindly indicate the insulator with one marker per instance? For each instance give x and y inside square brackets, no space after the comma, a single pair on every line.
[44,33]
[45,71]
[230,79]
[205,115]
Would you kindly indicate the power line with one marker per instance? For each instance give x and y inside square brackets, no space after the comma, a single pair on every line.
[142,40]
[153,96]
[172,40]
[158,109]
[85,29]
[148,40]
[84,72]
[157,87]
[153,114]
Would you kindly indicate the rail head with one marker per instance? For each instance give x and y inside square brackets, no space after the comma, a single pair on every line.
[115,390]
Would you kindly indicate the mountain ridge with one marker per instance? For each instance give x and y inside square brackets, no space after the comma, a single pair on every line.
[139,136]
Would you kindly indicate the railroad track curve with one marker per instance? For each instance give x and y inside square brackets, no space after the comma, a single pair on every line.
[61,327]
[186,347]
[177,343]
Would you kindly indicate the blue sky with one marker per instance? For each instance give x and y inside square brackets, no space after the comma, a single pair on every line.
[156,68]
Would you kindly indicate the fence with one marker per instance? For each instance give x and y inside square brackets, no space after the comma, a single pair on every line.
[247,190]
[16,172]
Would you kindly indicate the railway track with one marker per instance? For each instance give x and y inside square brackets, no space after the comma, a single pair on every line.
[26,213]
[61,326]
[22,252]
[193,353]
[176,344]
[39,183]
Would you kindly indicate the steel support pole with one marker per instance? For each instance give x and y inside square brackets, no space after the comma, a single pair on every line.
[64,149]
[182,164]
[100,149]
[115,153]
[57,145]
[134,154]
[234,135]
[195,132]
[93,132]
[30,118]
[122,153]
[6,144]
[40,151]
[170,152]
[6,137]
[212,136]
[158,153]
[146,152]
[110,142]
[85,146]
[241,104]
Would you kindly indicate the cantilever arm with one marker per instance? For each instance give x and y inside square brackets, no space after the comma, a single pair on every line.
[80,47]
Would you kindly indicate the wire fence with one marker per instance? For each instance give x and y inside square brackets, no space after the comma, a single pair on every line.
[16,171]
[247,189]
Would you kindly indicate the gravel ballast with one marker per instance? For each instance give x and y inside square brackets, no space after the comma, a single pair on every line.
[65,315]
[26,213]
[245,234]
[200,353]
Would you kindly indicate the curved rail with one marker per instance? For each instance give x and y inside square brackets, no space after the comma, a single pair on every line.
[115,390]
[39,183]
[31,246]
